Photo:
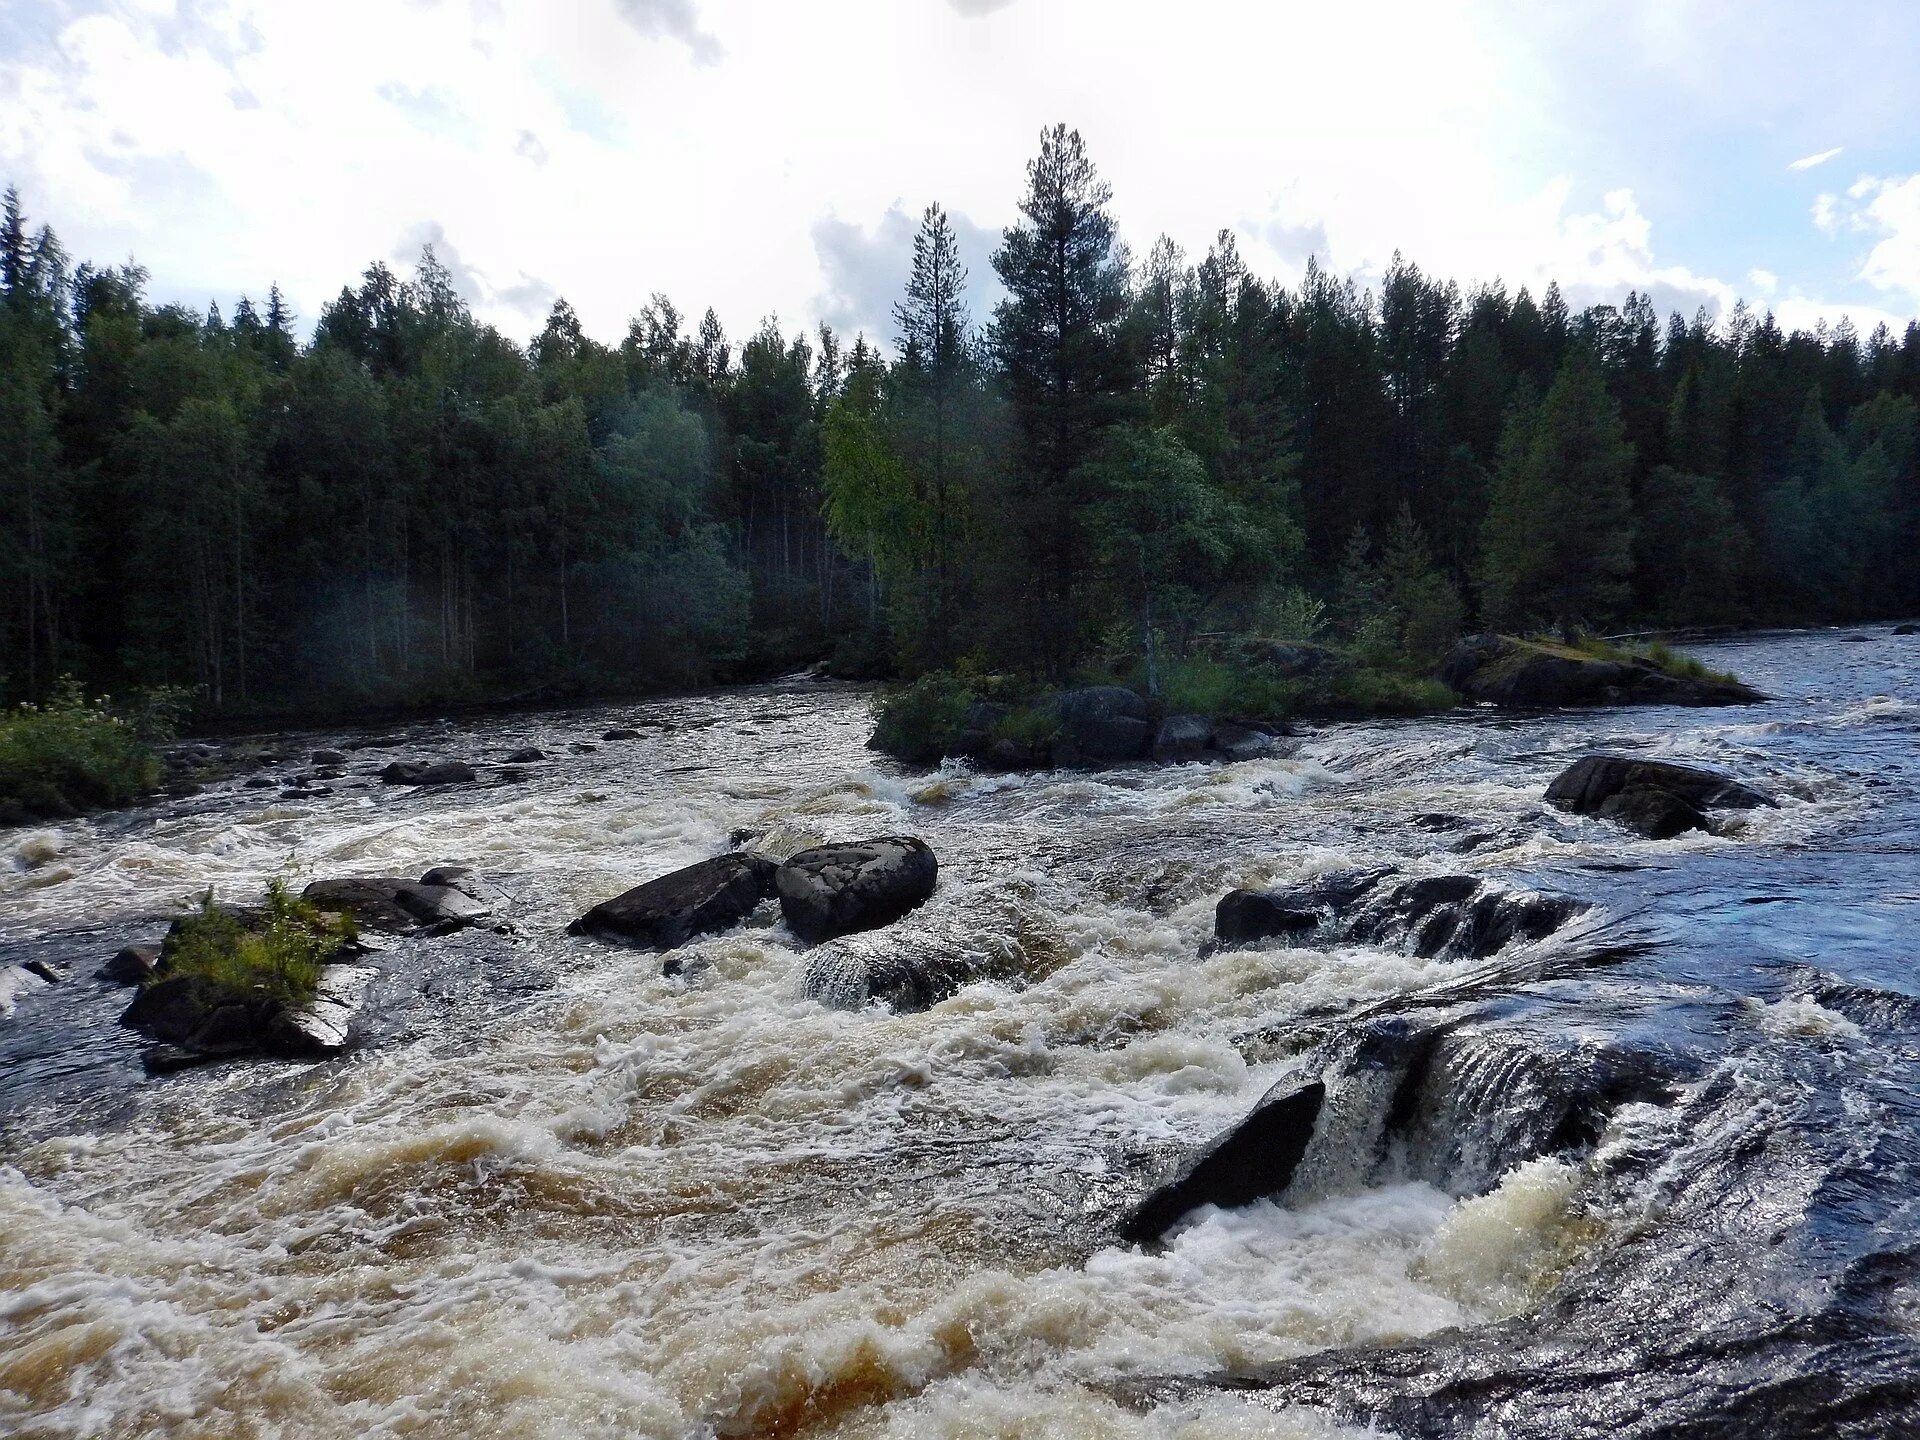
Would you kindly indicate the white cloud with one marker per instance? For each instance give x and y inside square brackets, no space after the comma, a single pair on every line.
[1807,162]
[1894,213]
[1764,282]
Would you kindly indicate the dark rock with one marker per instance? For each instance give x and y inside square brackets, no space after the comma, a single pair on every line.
[1243,742]
[469,882]
[526,755]
[1255,1159]
[905,974]
[1182,738]
[1008,754]
[583,747]
[667,912]
[1501,670]
[395,906]
[975,740]
[1587,784]
[839,889]
[1857,639]
[1437,822]
[1656,814]
[1101,725]
[509,775]
[260,782]
[306,792]
[132,966]
[197,1014]
[1908,628]
[329,757]
[45,969]
[621,732]
[414,772]
[1243,916]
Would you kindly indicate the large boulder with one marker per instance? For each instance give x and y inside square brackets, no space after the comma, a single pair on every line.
[1101,725]
[201,1015]
[416,772]
[1232,741]
[132,966]
[1657,798]
[1249,1162]
[665,913]
[1503,670]
[861,885]
[1182,738]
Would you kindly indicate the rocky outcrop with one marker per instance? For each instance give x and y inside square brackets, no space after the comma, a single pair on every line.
[1502,670]
[134,965]
[1654,798]
[197,1020]
[1454,917]
[397,906]
[1101,725]
[665,913]
[1253,1160]
[1182,738]
[860,885]
[416,772]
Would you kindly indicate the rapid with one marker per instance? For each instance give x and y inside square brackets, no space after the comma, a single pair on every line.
[556,1193]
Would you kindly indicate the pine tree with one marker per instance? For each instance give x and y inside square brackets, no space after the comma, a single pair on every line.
[1558,540]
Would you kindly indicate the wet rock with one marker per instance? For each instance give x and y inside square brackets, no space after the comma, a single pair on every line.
[329,757]
[1182,738]
[839,889]
[1656,814]
[1244,742]
[1008,754]
[1253,1160]
[306,792]
[526,755]
[1630,791]
[906,974]
[1908,628]
[197,1014]
[46,970]
[1101,725]
[1502,670]
[583,747]
[1450,916]
[469,882]
[509,775]
[1857,639]
[414,772]
[15,981]
[975,740]
[395,906]
[667,912]
[132,966]
[260,782]
[621,732]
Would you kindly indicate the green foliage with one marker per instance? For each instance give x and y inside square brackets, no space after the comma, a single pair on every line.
[919,722]
[278,958]
[1201,685]
[1030,725]
[72,753]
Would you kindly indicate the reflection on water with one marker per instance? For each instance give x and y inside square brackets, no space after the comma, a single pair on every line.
[557,1194]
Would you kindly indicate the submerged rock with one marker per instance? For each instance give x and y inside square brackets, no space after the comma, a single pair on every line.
[526,755]
[861,885]
[1243,742]
[1654,798]
[666,912]
[1503,670]
[414,772]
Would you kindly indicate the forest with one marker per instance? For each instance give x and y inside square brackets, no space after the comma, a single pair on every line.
[1127,459]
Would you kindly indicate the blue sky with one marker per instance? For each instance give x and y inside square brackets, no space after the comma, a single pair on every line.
[770,157]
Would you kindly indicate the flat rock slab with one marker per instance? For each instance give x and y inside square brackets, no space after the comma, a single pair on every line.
[861,885]
[395,906]
[665,913]
[1587,784]
[412,772]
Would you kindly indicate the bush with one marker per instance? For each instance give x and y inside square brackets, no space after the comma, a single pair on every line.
[1201,685]
[1034,726]
[919,722]
[279,958]
[74,754]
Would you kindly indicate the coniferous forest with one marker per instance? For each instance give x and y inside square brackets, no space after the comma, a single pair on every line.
[1130,454]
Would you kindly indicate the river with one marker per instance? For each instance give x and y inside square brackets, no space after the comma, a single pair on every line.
[555,1193]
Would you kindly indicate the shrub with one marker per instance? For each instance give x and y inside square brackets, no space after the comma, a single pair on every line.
[1036,726]
[919,722]
[280,957]
[1201,685]
[72,753]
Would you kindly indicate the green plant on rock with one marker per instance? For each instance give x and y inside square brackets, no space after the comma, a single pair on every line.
[920,722]
[277,957]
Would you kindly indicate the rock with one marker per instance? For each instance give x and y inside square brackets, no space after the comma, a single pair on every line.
[1255,1159]
[665,913]
[621,732]
[46,970]
[526,755]
[1857,639]
[1656,814]
[905,974]
[1502,670]
[839,889]
[306,792]
[414,772]
[1908,628]
[509,775]
[395,906]
[15,981]
[329,757]
[195,1013]
[975,740]
[1009,754]
[324,1025]
[260,782]
[1243,742]
[583,747]
[1182,738]
[1587,784]
[132,966]
[468,882]
[1451,916]
[1101,725]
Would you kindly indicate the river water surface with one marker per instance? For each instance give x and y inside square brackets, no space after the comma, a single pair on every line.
[554,1193]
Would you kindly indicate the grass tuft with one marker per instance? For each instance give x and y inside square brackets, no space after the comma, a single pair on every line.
[279,958]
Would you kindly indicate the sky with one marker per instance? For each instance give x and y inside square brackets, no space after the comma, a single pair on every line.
[771,158]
